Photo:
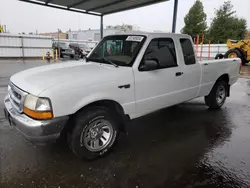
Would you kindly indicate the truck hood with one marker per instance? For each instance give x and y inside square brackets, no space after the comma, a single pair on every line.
[38,79]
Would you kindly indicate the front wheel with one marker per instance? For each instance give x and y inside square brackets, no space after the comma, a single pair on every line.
[217,96]
[94,134]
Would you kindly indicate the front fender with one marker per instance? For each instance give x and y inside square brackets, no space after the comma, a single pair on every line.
[91,99]
[68,102]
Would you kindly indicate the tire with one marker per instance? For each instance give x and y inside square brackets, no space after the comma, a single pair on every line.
[217,96]
[219,56]
[237,53]
[89,143]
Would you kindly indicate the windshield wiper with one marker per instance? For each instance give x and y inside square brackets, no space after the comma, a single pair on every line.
[102,59]
[110,62]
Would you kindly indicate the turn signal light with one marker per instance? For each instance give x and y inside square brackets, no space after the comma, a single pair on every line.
[37,114]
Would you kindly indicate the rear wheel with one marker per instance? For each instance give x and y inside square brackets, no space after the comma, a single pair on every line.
[217,96]
[235,53]
[94,134]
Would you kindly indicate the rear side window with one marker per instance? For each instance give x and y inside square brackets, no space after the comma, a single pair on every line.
[163,51]
[188,51]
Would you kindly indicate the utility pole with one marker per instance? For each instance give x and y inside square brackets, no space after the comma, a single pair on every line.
[175,16]
[101,27]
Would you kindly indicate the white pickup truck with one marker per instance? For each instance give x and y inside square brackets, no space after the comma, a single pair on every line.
[124,77]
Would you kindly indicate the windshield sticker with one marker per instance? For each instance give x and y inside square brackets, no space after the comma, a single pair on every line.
[135,38]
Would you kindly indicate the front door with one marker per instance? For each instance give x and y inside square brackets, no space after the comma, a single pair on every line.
[162,87]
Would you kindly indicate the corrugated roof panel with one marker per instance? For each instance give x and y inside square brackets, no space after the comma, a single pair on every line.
[67,2]
[91,4]
[126,5]
[98,6]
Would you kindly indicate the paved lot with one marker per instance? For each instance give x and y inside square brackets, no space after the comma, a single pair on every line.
[184,146]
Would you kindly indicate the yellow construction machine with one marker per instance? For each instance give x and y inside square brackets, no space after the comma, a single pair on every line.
[240,49]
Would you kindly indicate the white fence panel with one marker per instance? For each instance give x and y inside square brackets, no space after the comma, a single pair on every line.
[214,50]
[9,41]
[36,52]
[37,42]
[24,45]
[10,52]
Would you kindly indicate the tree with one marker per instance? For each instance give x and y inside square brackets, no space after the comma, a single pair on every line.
[195,20]
[226,25]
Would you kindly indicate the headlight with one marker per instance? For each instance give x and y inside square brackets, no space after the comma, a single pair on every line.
[37,108]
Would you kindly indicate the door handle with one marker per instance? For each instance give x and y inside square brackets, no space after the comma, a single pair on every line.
[124,86]
[178,73]
[205,64]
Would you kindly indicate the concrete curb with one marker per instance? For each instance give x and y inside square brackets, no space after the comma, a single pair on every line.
[246,77]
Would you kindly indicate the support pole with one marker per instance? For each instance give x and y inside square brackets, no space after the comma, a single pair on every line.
[58,46]
[209,49]
[101,27]
[43,54]
[22,48]
[201,52]
[56,55]
[197,44]
[175,16]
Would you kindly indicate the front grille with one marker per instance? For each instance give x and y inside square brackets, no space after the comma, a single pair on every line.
[16,97]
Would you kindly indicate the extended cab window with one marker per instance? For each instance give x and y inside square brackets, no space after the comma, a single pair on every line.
[188,51]
[162,50]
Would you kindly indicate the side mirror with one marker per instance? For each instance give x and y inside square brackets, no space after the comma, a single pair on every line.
[149,65]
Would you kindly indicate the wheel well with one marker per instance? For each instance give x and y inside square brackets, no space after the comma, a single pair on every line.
[115,108]
[225,77]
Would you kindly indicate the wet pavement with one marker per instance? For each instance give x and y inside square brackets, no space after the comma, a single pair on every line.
[183,146]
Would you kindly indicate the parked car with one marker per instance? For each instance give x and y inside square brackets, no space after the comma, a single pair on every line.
[62,46]
[76,51]
[125,76]
[85,49]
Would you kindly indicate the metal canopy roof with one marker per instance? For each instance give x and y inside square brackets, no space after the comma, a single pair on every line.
[95,7]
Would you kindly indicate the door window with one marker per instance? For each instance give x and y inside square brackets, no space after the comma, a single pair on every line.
[188,51]
[161,50]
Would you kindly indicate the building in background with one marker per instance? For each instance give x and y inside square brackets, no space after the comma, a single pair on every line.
[55,35]
[95,34]
[124,27]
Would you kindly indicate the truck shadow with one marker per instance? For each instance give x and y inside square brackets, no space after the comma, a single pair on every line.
[158,147]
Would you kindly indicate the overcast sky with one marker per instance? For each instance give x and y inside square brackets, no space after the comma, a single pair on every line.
[25,17]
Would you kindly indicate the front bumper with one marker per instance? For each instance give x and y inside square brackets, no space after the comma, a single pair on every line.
[37,131]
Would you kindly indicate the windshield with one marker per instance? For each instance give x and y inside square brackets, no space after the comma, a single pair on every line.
[120,49]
